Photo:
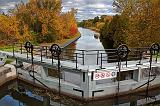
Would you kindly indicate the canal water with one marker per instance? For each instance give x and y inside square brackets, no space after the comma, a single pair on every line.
[87,47]
[19,93]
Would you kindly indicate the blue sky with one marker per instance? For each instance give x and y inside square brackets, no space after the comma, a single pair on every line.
[86,8]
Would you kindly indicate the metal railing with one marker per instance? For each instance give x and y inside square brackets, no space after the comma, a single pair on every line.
[84,57]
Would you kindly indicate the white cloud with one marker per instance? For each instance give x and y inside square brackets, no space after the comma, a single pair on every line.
[86,8]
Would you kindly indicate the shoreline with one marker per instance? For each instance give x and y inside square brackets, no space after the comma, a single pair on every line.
[65,42]
[62,43]
[71,41]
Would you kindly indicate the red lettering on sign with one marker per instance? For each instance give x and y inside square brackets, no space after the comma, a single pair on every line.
[102,75]
[108,74]
[97,76]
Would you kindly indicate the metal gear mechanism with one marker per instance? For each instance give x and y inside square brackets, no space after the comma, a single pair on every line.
[55,50]
[122,51]
[29,47]
[154,49]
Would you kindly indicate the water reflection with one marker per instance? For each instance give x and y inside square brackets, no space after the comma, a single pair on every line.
[11,95]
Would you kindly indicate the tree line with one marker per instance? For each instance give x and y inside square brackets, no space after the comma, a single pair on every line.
[137,24]
[95,24]
[38,21]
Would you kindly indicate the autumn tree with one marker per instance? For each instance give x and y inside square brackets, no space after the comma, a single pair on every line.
[143,21]
[70,25]
[113,32]
[45,21]
[9,29]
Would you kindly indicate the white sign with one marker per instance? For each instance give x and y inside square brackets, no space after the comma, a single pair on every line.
[104,75]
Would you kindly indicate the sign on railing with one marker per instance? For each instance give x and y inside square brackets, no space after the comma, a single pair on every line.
[100,75]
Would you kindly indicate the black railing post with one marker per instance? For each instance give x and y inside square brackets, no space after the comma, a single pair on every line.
[76,61]
[41,53]
[126,62]
[46,52]
[101,60]
[97,57]
[13,50]
[59,75]
[21,48]
[52,59]
[83,57]
[32,63]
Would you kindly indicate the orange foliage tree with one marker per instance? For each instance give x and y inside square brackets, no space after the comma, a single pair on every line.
[39,21]
[45,19]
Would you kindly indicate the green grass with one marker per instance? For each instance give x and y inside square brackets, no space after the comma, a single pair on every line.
[59,42]
[9,60]
[8,48]
[156,56]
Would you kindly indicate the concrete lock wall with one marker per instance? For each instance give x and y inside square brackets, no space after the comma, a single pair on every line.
[81,83]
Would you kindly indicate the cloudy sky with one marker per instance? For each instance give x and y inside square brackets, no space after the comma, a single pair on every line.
[89,8]
[86,8]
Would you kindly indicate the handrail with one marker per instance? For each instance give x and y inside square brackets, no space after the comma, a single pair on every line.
[37,79]
[145,83]
[80,56]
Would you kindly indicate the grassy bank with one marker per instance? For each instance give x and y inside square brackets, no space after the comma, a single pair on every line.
[9,48]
